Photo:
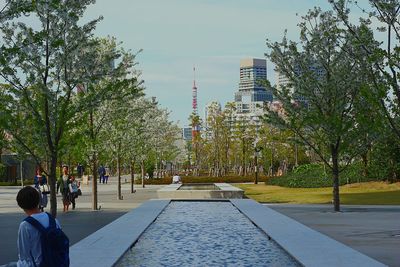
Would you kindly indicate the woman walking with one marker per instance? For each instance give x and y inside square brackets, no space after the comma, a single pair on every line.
[64,182]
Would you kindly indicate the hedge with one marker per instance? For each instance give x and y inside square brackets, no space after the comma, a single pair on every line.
[204,179]
[313,176]
[17,183]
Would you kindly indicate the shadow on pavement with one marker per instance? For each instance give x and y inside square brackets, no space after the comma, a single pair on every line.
[77,224]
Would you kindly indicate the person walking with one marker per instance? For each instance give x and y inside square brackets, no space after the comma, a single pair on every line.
[64,181]
[73,190]
[80,170]
[102,172]
[40,182]
[107,174]
[41,242]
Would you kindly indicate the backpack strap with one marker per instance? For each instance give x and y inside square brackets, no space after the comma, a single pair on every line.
[38,225]
[52,221]
[35,224]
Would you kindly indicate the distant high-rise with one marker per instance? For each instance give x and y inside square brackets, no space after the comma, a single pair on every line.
[252,94]
[284,82]
[187,133]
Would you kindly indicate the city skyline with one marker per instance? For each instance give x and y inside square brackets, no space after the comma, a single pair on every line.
[213,36]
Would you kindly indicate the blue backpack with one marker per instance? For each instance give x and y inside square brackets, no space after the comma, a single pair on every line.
[55,244]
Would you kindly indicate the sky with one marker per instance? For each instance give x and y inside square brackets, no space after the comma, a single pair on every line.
[212,35]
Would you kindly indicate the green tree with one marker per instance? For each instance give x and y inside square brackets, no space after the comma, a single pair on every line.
[41,63]
[111,76]
[322,73]
[195,123]
[383,55]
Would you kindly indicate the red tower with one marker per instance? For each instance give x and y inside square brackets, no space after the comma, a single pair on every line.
[194,93]
[195,122]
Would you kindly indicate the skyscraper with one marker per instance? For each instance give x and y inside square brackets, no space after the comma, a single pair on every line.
[252,94]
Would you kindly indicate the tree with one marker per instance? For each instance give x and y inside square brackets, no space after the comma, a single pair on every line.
[215,133]
[383,55]
[195,123]
[110,77]
[42,66]
[244,133]
[331,84]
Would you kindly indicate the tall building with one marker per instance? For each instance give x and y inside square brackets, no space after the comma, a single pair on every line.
[282,81]
[187,133]
[251,94]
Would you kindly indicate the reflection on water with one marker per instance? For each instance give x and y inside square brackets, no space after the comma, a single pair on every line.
[204,234]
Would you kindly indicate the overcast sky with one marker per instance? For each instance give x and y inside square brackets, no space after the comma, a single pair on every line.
[213,35]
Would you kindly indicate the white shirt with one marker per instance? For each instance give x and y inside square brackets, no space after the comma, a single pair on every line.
[29,244]
[176,179]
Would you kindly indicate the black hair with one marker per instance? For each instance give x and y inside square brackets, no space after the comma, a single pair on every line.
[28,198]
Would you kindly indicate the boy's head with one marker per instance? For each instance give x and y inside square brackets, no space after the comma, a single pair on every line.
[28,198]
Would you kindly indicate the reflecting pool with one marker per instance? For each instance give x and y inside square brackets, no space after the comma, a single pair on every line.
[204,234]
[199,187]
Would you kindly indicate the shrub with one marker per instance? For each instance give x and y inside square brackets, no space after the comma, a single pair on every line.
[205,179]
[3,171]
[313,176]
[17,183]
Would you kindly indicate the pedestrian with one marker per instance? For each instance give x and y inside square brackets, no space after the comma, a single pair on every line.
[40,182]
[64,188]
[102,172]
[107,174]
[73,190]
[38,179]
[80,170]
[176,179]
[41,242]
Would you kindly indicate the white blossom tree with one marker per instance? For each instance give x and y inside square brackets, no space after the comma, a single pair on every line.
[41,64]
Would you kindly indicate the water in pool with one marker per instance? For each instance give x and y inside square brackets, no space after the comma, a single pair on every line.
[199,187]
[204,234]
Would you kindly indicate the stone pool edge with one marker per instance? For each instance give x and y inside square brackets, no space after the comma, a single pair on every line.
[307,246]
[226,191]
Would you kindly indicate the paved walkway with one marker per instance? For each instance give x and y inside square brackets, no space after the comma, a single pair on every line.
[77,223]
[372,230]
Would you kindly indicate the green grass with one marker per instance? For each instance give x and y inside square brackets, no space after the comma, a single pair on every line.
[369,193]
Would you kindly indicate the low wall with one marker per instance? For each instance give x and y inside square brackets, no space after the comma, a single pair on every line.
[226,191]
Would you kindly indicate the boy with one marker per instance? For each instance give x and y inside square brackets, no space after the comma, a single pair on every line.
[29,237]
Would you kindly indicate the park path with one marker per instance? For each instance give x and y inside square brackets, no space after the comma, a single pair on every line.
[77,223]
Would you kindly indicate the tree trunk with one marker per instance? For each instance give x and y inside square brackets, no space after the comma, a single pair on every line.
[94,181]
[94,162]
[133,176]
[52,182]
[255,168]
[364,157]
[335,174]
[119,176]
[142,168]
[243,157]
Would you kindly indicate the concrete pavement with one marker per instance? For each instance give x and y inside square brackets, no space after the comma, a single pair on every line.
[77,223]
[372,230]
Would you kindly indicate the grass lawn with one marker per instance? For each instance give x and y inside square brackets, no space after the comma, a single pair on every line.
[370,193]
